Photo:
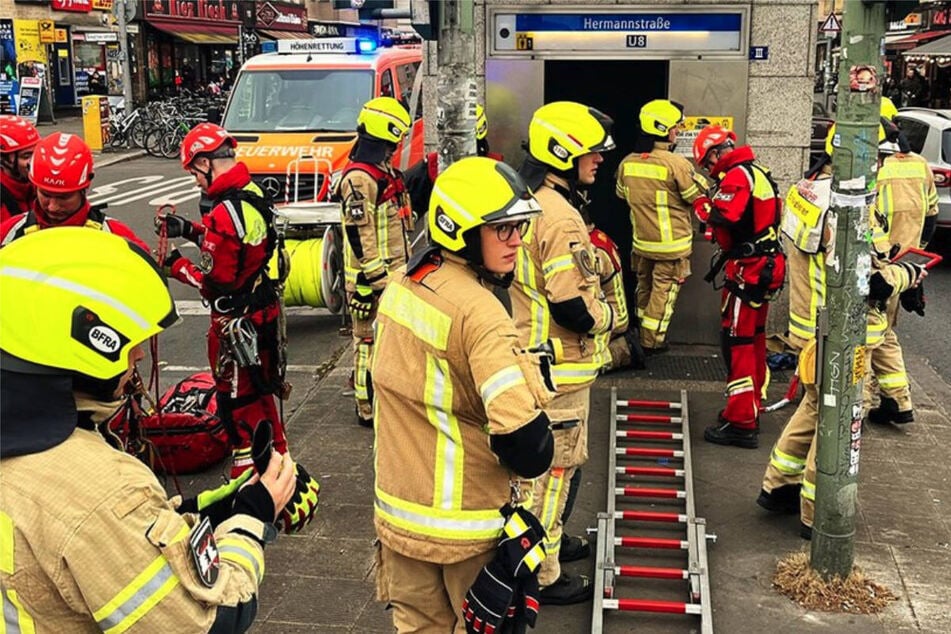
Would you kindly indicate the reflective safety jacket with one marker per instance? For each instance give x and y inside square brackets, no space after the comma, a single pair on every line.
[448,373]
[556,296]
[807,233]
[89,542]
[375,221]
[87,216]
[660,187]
[612,280]
[906,196]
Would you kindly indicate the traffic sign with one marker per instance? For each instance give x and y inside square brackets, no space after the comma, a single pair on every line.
[832,24]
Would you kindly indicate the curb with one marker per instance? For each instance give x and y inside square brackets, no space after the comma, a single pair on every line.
[121,158]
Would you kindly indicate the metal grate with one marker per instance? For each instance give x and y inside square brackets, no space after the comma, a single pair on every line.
[685,368]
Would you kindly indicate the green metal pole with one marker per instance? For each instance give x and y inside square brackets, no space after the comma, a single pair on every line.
[842,324]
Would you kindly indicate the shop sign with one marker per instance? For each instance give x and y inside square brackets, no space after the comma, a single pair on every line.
[102,5]
[276,15]
[342,29]
[941,17]
[61,37]
[202,9]
[77,6]
[47,31]
[98,36]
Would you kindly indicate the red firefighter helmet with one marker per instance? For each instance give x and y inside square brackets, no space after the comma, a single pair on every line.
[709,138]
[62,163]
[204,138]
[16,133]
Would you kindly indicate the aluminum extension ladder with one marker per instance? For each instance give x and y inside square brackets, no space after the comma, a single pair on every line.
[649,459]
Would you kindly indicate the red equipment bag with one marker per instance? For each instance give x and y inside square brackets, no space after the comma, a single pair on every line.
[188,436]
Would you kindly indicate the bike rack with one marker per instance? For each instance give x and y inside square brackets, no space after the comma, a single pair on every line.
[629,462]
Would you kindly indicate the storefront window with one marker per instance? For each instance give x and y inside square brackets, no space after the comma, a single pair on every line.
[89,63]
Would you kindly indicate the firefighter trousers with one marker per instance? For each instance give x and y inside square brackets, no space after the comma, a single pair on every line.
[743,340]
[658,285]
[362,353]
[426,597]
[569,415]
[793,459]
[888,365]
[620,353]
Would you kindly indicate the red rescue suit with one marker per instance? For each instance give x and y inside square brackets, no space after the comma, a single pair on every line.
[231,277]
[745,214]
[87,216]
[16,196]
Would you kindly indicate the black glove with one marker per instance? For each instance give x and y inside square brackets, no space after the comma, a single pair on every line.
[521,551]
[524,609]
[176,227]
[256,501]
[913,300]
[487,602]
[361,302]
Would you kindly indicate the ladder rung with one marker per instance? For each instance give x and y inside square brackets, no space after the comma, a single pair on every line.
[649,418]
[650,471]
[650,516]
[651,572]
[648,605]
[658,404]
[650,435]
[645,492]
[652,542]
[645,451]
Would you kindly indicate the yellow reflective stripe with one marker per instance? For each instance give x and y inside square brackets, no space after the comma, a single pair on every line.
[6,544]
[649,323]
[875,334]
[503,380]
[668,308]
[556,265]
[787,463]
[550,513]
[235,550]
[575,373]
[817,285]
[538,305]
[808,490]
[663,247]
[901,169]
[360,370]
[801,326]
[617,289]
[455,524]
[892,380]
[136,599]
[15,617]
[691,191]
[428,323]
[382,231]
[448,475]
[663,217]
[740,386]
[645,170]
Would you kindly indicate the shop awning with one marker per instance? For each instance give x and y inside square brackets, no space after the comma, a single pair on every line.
[912,41]
[937,47]
[198,32]
[285,35]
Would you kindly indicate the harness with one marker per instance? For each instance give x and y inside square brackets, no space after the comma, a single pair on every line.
[389,186]
[96,219]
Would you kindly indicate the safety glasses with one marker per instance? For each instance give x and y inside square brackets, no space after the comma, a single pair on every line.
[504,231]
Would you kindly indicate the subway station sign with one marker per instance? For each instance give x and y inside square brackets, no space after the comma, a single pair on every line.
[717,31]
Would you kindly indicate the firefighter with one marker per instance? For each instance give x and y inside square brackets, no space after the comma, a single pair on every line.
[61,171]
[660,188]
[237,239]
[376,221]
[90,540]
[17,138]
[557,304]
[744,213]
[789,484]
[904,216]
[419,178]
[459,417]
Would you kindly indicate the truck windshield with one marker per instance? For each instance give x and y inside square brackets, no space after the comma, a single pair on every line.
[298,100]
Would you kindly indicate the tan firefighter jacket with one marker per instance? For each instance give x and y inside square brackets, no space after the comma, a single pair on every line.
[906,195]
[448,372]
[375,235]
[612,280]
[660,187]
[807,235]
[557,264]
[90,541]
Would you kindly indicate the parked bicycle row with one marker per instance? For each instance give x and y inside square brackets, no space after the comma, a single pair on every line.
[159,127]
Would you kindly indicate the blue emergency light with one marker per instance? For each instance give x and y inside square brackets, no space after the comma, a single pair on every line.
[366,45]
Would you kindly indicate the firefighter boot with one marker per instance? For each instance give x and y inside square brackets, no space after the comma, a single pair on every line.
[573,548]
[888,412]
[361,421]
[805,531]
[783,499]
[568,590]
[725,433]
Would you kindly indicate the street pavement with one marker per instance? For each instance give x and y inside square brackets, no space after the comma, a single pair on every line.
[322,580]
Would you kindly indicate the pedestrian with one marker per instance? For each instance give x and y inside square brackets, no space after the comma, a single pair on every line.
[557,303]
[90,540]
[744,213]
[660,187]
[376,222]
[61,171]
[17,140]
[789,484]
[245,341]
[459,417]
[904,216]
